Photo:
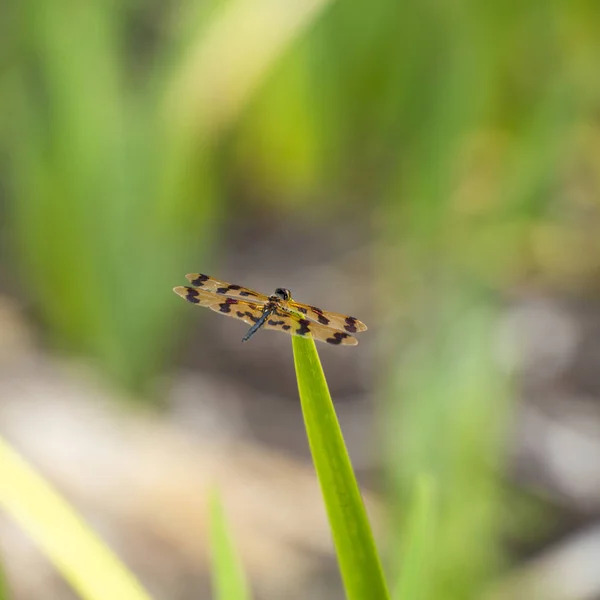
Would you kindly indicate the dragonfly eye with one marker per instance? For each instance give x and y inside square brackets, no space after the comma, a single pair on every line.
[283,293]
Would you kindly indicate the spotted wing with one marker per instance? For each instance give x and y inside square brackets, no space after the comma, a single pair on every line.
[324,317]
[222,288]
[246,311]
[294,324]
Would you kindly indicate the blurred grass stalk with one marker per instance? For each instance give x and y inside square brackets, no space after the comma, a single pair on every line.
[229,581]
[78,555]
[412,579]
[451,249]
[3,582]
[226,65]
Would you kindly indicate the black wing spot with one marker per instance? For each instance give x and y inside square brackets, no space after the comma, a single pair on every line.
[273,322]
[286,327]
[251,316]
[304,328]
[192,296]
[337,338]
[199,281]
[350,324]
[245,293]
[317,310]
[228,288]
[225,307]
[302,310]
[322,319]
[240,314]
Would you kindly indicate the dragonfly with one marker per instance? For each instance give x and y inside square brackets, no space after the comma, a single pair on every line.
[278,311]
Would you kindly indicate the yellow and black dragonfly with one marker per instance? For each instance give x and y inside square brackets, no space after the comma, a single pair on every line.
[278,311]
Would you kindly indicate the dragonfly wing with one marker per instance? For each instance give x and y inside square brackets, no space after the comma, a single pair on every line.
[244,310]
[294,324]
[222,288]
[330,319]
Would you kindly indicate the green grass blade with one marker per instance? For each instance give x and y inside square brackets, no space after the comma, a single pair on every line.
[417,553]
[358,560]
[83,560]
[228,579]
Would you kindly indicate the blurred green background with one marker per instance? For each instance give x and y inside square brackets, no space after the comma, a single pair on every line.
[431,167]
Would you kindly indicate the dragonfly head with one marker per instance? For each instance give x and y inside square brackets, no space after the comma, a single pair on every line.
[283,294]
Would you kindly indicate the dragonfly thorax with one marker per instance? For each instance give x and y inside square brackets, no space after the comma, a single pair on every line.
[283,294]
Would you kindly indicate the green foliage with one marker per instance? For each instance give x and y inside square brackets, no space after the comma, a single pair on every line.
[114,190]
[451,248]
[229,581]
[107,196]
[449,428]
[358,560]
